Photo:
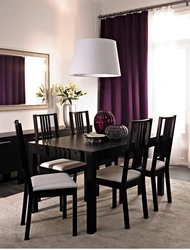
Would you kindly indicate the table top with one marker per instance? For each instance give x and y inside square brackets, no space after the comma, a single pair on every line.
[79,142]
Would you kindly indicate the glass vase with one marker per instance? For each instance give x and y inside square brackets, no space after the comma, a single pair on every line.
[103,119]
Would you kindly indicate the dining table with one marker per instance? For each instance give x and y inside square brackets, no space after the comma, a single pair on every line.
[77,147]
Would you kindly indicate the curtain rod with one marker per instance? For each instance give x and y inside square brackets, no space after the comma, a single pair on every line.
[111,15]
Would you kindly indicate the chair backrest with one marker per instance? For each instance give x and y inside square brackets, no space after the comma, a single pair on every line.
[80,122]
[164,138]
[137,145]
[23,154]
[48,124]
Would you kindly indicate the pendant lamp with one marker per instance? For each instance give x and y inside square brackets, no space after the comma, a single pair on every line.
[95,57]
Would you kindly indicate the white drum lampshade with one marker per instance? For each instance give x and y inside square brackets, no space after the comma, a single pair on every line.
[95,57]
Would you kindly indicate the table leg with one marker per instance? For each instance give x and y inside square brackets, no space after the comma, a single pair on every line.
[92,164]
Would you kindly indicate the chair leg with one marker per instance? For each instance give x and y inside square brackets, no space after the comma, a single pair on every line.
[154,194]
[75,177]
[28,221]
[160,184]
[144,198]
[97,190]
[64,206]
[116,161]
[120,197]
[75,214]
[168,187]
[114,197]
[25,196]
[35,205]
[139,190]
[61,203]
[125,208]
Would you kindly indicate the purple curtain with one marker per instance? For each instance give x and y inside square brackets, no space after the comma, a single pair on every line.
[12,80]
[127,96]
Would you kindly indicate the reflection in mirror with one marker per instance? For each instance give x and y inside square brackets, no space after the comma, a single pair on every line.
[20,83]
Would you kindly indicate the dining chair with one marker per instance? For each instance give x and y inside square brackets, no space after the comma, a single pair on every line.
[80,122]
[46,185]
[123,178]
[48,126]
[50,129]
[158,166]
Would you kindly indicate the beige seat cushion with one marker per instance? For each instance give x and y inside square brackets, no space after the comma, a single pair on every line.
[114,173]
[159,164]
[52,181]
[62,164]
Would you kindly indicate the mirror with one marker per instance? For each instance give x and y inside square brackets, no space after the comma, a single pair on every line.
[36,75]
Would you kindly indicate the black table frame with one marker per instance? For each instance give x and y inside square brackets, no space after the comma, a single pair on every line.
[77,147]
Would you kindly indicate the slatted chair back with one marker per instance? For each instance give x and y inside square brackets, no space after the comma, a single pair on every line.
[164,139]
[80,122]
[137,146]
[48,124]
[23,155]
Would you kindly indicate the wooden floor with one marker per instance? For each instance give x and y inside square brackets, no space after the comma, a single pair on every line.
[12,187]
[180,173]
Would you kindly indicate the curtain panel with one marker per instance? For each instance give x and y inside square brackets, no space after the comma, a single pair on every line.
[12,80]
[169,75]
[127,96]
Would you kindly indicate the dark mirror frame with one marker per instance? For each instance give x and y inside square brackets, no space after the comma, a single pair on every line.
[47,87]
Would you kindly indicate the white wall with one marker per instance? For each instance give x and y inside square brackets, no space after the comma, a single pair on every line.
[50,26]
[53,26]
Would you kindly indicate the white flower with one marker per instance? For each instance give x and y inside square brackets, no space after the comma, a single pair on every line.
[68,93]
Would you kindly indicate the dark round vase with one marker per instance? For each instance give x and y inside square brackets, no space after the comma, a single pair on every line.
[103,119]
[116,132]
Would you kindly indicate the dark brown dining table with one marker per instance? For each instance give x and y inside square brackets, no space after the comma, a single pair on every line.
[77,147]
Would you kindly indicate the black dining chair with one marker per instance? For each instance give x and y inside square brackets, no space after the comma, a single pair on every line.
[46,127]
[123,178]
[80,122]
[158,166]
[46,185]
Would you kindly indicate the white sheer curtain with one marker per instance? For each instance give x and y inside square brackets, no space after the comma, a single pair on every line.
[169,75]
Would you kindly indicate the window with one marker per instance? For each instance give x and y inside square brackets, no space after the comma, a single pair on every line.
[169,75]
